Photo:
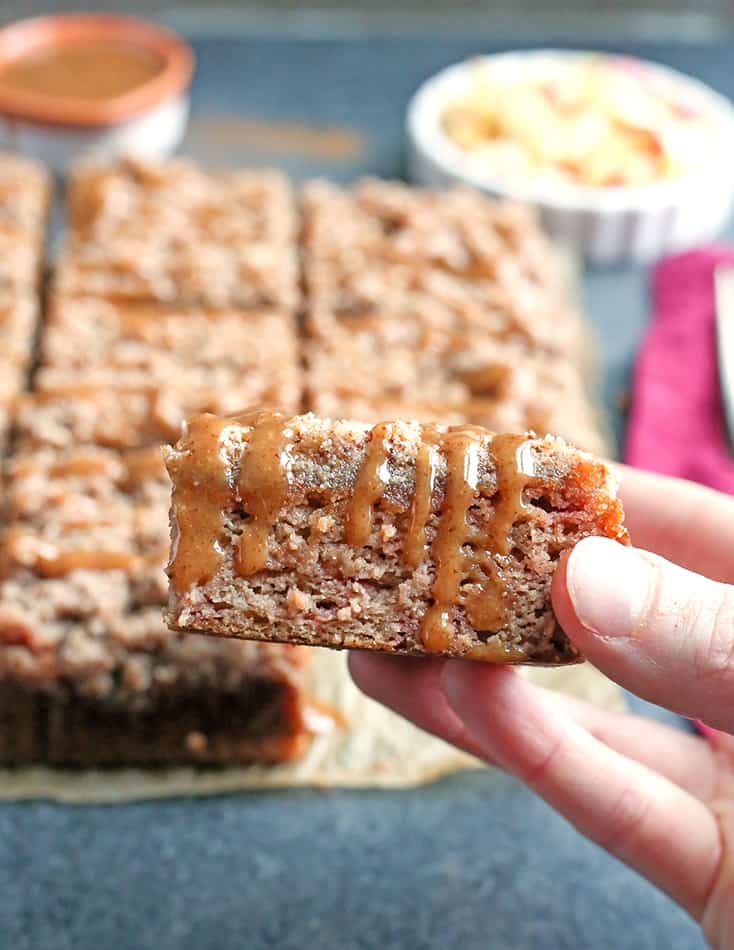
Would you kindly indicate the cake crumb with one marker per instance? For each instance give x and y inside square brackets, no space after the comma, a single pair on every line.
[324,524]
[196,742]
[298,599]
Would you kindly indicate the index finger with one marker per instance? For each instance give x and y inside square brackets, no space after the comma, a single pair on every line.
[414,689]
[679,520]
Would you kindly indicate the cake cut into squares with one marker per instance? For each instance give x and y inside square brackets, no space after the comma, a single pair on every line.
[89,672]
[486,264]
[81,485]
[457,231]
[406,538]
[84,634]
[189,384]
[447,307]
[173,232]
[196,283]
[84,651]
[134,197]
[161,342]
[123,376]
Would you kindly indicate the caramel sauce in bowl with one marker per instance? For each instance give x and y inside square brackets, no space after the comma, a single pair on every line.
[76,84]
[104,69]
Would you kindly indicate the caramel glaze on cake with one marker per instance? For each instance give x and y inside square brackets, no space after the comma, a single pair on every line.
[407,538]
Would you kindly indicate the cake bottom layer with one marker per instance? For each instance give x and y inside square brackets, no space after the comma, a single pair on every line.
[262,722]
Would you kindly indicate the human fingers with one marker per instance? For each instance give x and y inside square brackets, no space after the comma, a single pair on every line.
[662,632]
[686,760]
[679,520]
[645,820]
[414,689]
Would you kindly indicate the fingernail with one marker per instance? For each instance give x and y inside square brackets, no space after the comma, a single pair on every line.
[608,585]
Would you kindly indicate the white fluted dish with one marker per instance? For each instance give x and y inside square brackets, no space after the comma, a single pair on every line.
[615,225]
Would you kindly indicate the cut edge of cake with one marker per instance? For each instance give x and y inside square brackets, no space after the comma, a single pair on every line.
[423,540]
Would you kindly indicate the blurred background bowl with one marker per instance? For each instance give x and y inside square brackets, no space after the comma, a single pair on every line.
[635,223]
[59,127]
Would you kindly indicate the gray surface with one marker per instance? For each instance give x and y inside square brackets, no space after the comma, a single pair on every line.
[467,863]
[473,861]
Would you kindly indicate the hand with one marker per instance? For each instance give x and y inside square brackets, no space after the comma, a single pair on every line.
[659,799]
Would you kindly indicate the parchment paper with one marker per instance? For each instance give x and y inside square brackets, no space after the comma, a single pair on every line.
[377,749]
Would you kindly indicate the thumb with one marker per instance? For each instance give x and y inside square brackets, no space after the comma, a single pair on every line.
[663,633]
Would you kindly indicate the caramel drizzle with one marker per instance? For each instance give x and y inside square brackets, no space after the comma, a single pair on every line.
[461,446]
[61,563]
[80,466]
[201,493]
[515,469]
[484,603]
[50,561]
[262,485]
[372,480]
[484,599]
[425,483]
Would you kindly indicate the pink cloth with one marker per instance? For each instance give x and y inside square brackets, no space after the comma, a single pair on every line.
[676,425]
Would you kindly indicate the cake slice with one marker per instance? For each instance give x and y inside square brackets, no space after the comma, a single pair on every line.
[403,538]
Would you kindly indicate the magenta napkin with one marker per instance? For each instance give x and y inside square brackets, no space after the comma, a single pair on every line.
[676,425]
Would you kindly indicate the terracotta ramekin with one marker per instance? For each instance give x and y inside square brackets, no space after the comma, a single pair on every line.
[148,121]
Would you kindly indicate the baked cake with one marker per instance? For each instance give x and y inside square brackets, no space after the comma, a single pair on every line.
[403,538]
[172,232]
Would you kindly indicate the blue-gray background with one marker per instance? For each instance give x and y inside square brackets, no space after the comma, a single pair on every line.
[472,861]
